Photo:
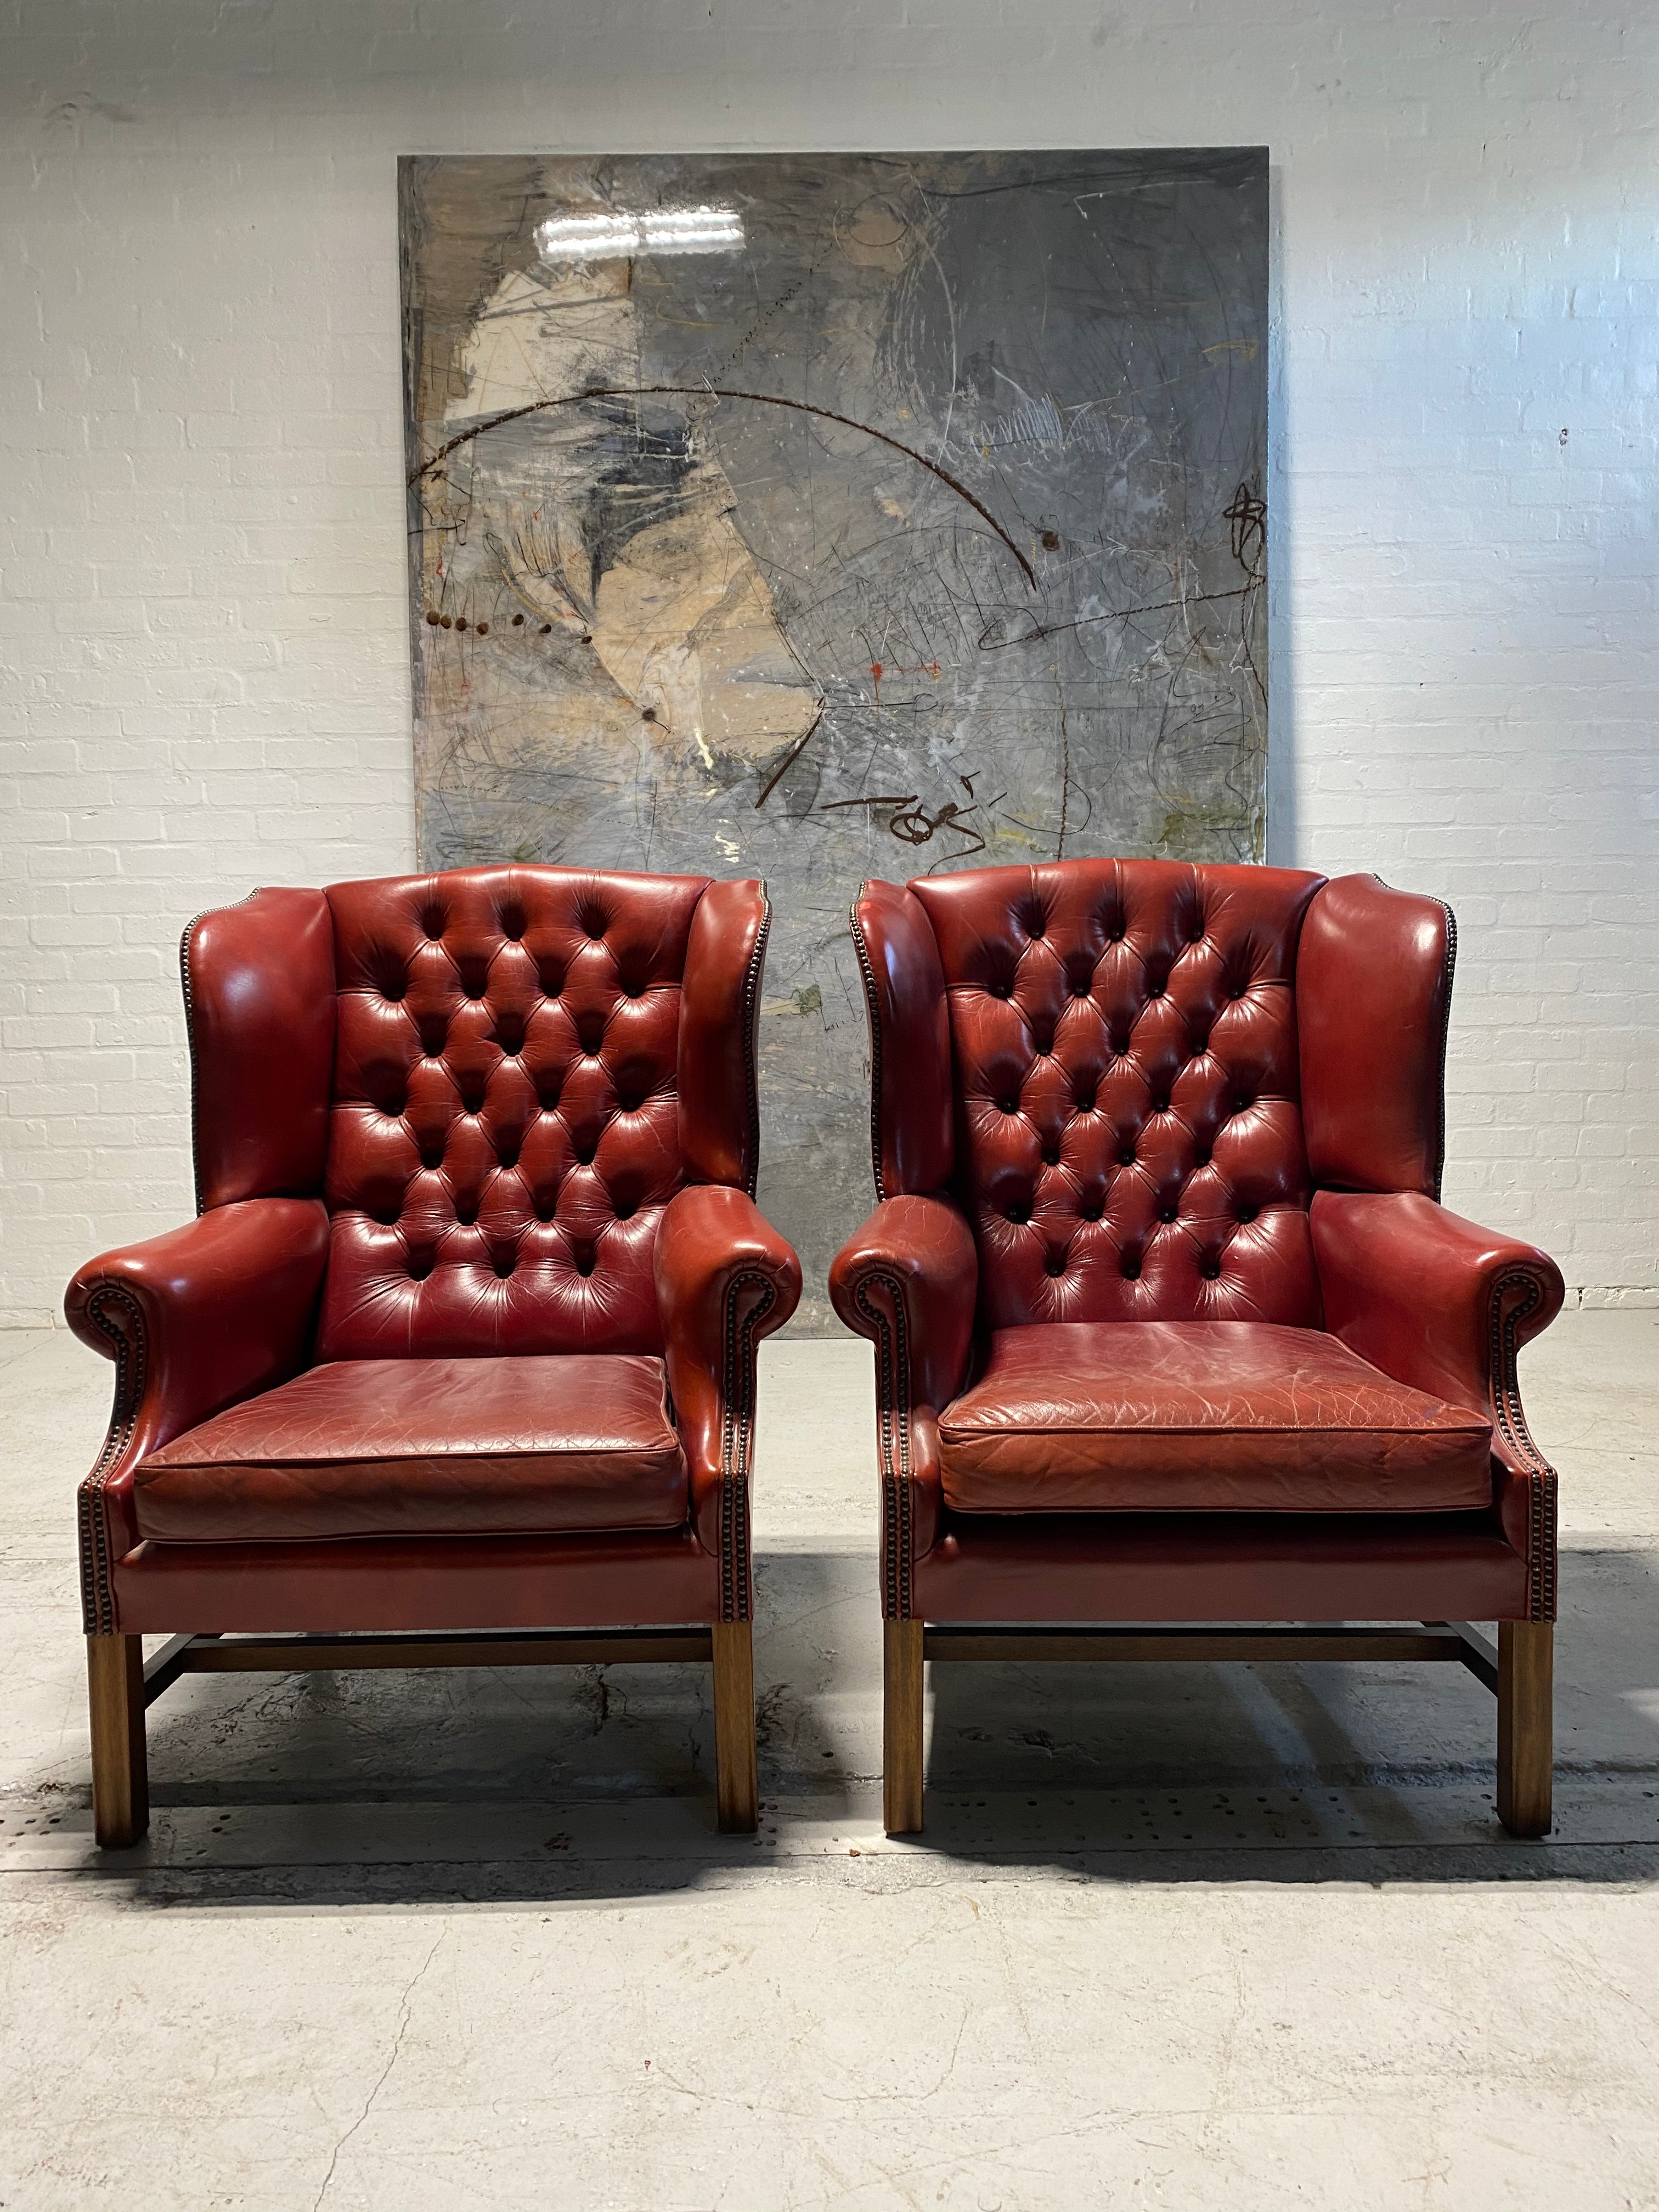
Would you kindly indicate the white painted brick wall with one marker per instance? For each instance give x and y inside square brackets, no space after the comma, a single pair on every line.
[201,576]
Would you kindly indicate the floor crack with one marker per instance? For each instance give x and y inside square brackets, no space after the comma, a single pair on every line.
[415,1981]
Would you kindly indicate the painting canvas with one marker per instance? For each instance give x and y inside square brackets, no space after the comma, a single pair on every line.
[826,516]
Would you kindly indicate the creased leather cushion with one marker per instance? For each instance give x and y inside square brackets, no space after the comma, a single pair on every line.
[426,1447]
[1202,1416]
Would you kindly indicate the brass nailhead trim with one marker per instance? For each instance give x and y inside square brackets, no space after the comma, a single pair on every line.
[893,1407]
[131,1364]
[738,1440]
[1544,1482]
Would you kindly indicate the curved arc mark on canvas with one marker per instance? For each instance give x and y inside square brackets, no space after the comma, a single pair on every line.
[716,392]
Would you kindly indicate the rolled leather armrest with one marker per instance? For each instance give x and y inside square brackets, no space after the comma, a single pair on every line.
[909,1282]
[1444,1305]
[195,1320]
[725,1278]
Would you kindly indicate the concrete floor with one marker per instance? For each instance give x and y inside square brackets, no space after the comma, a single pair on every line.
[1178,1937]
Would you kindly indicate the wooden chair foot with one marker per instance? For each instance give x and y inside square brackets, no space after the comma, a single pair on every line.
[120,1769]
[902,1727]
[1526,1684]
[736,1788]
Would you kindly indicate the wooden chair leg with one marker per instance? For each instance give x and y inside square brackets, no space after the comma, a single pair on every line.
[120,1769]
[1526,1684]
[736,1789]
[902,1727]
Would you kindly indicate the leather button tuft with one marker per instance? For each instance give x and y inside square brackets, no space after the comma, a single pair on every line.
[466,1216]
[420,1267]
[1008,1105]
[1166,1213]
[512,925]
[1019,1214]
[583,1261]
[1126,1158]
[1201,1046]
[1247,1213]
[504,1263]
[1154,990]
[1082,986]
[1051,1155]
[1090,1210]
[1160,1105]
[626,1210]
[509,1156]
[1201,1157]
[1055,1263]
[1210,1269]
[1195,931]
[1241,1104]
[999,990]
[1131,1267]
[1086,1102]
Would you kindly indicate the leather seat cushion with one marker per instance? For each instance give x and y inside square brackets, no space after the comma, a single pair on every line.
[523,1445]
[1202,1416]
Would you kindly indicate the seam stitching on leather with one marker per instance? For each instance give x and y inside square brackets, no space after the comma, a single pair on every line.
[190,928]
[893,1440]
[736,1440]
[751,1081]
[132,1361]
[873,1012]
[1543,1483]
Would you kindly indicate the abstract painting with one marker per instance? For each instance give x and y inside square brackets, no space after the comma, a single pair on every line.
[826,516]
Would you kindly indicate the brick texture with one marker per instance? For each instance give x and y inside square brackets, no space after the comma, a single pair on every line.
[202,622]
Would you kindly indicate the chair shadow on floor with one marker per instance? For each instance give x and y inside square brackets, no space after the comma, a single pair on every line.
[425,1786]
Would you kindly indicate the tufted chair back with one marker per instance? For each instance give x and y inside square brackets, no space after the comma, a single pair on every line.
[495,1078]
[1102,1062]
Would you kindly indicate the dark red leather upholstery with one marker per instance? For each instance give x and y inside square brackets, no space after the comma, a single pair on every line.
[1373,996]
[261,1045]
[1128,1122]
[451,1120]
[426,1448]
[506,1118]
[1230,1566]
[1195,1096]
[1447,1307]
[1202,1416]
[723,1279]
[631,1578]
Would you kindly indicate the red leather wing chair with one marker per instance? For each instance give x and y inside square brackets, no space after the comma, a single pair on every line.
[456,1365]
[1170,1327]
